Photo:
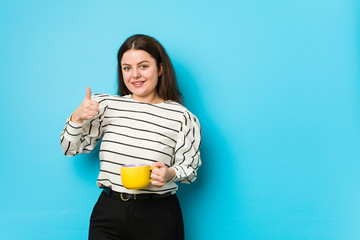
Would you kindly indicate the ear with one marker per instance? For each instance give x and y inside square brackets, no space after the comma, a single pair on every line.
[160,69]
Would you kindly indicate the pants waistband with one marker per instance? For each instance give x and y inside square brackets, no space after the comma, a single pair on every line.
[128,196]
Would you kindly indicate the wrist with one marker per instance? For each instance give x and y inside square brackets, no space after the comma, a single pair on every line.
[171,174]
[75,119]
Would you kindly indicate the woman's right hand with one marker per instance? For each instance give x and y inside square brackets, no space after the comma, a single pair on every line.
[87,109]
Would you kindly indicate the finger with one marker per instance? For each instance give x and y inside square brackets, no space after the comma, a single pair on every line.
[160,177]
[157,183]
[91,115]
[94,103]
[158,164]
[91,104]
[92,111]
[92,108]
[88,93]
[154,176]
[155,170]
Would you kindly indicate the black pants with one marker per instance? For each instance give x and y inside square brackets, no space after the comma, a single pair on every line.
[159,219]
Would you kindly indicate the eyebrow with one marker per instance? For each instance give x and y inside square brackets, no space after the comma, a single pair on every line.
[145,61]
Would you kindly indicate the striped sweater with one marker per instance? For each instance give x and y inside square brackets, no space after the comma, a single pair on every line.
[133,132]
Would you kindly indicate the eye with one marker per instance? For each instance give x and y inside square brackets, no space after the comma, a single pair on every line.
[126,68]
[144,66]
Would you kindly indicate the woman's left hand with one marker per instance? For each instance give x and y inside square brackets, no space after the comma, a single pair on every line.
[161,174]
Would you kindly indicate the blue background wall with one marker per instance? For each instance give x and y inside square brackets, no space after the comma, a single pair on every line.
[275,85]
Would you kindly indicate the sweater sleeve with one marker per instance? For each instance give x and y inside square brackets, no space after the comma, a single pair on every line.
[84,137]
[187,155]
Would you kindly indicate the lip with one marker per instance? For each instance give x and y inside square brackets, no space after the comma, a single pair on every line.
[138,84]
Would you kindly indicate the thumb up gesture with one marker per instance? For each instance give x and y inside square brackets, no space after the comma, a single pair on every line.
[87,109]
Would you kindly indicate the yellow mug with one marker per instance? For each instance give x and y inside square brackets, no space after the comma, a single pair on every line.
[135,176]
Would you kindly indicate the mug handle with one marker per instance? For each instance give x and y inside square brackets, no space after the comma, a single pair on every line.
[151,168]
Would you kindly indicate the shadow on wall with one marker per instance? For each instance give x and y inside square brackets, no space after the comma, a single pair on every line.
[217,173]
[194,102]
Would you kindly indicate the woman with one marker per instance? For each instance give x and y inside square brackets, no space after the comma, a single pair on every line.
[145,123]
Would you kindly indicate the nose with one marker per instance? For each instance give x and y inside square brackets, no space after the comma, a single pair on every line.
[135,73]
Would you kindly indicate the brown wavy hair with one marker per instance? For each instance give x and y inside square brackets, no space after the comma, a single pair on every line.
[167,87]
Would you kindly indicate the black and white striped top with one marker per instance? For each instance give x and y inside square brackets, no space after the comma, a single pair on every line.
[133,132]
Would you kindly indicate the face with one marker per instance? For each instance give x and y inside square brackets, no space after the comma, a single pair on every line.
[141,75]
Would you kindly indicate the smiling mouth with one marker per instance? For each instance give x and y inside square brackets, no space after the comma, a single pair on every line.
[138,84]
